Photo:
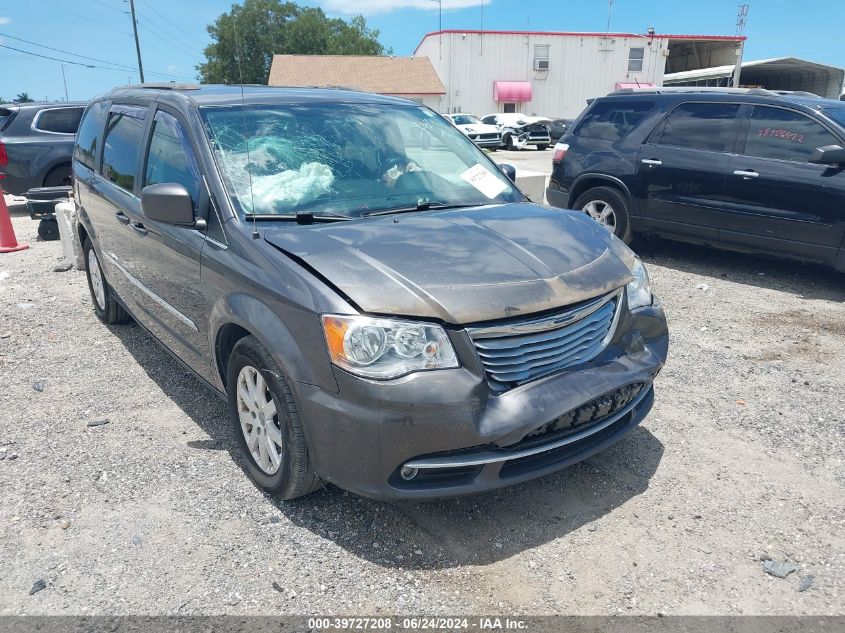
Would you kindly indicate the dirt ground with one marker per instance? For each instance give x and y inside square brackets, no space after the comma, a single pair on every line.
[740,461]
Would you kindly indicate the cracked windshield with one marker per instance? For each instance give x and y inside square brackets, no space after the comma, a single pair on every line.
[350,160]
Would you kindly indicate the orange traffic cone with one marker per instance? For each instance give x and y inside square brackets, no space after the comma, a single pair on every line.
[8,242]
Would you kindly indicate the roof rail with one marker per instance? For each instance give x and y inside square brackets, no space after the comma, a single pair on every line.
[693,89]
[170,85]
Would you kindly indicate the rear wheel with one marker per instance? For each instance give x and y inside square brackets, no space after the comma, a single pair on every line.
[106,307]
[608,207]
[542,147]
[48,229]
[59,177]
[267,423]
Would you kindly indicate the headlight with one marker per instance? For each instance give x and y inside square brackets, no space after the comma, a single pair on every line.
[639,290]
[386,348]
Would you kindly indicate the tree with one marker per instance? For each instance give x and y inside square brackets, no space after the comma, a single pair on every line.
[259,29]
[23,97]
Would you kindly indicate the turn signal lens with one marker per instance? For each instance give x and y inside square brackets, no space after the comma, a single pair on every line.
[386,348]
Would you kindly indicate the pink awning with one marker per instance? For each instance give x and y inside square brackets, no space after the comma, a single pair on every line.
[621,85]
[511,91]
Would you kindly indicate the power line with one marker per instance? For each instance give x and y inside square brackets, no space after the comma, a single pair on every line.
[56,59]
[109,6]
[164,37]
[83,17]
[168,21]
[95,59]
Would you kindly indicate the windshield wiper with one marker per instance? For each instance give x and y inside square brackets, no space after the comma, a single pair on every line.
[420,206]
[300,218]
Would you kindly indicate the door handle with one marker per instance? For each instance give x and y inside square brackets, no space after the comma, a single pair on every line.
[651,161]
[121,217]
[139,228]
[746,173]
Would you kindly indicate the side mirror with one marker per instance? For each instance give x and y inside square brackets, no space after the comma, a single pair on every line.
[829,155]
[509,171]
[167,202]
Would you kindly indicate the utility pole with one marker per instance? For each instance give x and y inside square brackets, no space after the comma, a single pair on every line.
[741,15]
[64,79]
[137,44]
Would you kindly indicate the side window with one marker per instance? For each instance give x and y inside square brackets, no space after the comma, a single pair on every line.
[613,120]
[59,120]
[635,60]
[784,134]
[124,136]
[171,158]
[706,126]
[87,139]
[489,120]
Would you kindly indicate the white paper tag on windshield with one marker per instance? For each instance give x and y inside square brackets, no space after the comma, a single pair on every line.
[481,178]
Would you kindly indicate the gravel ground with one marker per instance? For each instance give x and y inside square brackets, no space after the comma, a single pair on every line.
[740,461]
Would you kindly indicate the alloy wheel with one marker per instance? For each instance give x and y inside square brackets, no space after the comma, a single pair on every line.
[602,213]
[97,279]
[259,420]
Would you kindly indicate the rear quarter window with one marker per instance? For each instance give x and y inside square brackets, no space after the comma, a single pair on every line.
[613,120]
[88,136]
[58,120]
[6,116]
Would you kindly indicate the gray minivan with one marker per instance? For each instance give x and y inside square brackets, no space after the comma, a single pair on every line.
[381,306]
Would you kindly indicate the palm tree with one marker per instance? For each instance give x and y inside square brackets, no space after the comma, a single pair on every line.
[23,97]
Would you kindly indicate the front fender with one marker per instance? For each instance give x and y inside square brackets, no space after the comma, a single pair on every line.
[295,339]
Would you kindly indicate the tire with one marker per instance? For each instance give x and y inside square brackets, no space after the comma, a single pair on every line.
[48,229]
[542,147]
[608,196]
[507,141]
[59,177]
[293,476]
[107,309]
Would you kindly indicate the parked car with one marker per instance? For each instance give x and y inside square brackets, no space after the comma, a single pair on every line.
[519,130]
[557,128]
[479,133]
[37,139]
[747,170]
[383,312]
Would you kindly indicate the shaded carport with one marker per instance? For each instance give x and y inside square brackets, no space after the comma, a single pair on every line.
[782,73]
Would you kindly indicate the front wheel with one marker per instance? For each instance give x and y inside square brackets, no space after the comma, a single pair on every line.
[507,141]
[106,307]
[608,207]
[267,423]
[542,147]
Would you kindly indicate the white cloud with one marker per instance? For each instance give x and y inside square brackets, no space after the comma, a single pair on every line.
[370,7]
[4,21]
[173,68]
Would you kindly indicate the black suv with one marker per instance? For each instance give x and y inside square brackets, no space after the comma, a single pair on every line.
[378,302]
[37,141]
[748,170]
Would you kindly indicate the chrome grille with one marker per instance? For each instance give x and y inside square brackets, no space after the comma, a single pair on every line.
[515,352]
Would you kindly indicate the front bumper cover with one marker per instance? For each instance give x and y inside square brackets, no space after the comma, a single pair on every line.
[362,436]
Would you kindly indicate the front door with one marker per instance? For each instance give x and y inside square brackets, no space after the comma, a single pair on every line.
[781,201]
[167,257]
[683,167]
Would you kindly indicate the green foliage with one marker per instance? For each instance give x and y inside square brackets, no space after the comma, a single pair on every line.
[259,29]
[23,97]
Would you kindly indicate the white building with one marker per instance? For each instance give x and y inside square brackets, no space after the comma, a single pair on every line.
[552,73]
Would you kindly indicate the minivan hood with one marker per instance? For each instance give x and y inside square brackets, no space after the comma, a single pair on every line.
[465,265]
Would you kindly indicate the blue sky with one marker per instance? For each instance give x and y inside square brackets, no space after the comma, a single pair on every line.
[173,31]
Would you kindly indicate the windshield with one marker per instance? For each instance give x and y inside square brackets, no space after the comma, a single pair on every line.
[348,159]
[837,114]
[465,119]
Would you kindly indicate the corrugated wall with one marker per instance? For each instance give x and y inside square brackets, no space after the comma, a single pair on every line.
[580,67]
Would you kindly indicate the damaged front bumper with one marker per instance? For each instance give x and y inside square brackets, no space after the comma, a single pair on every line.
[447,433]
